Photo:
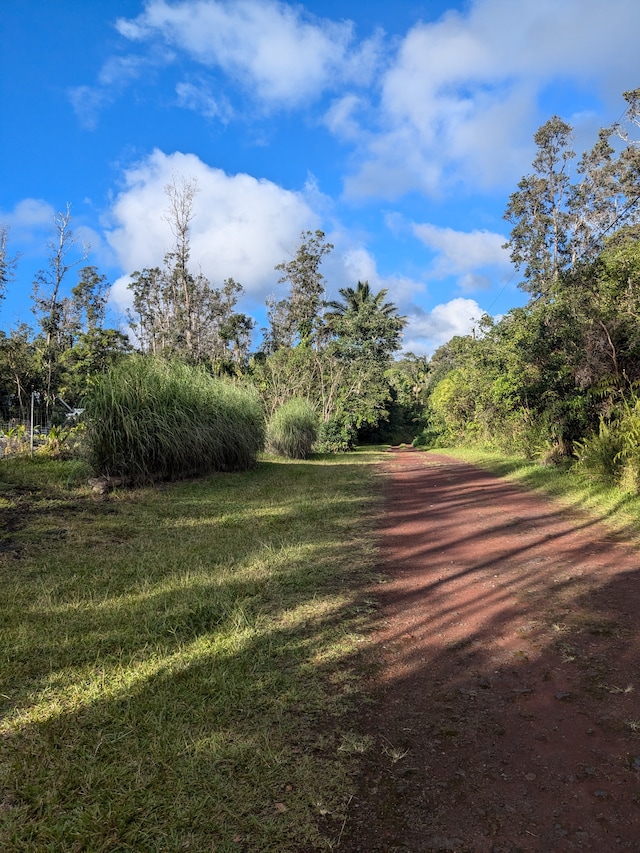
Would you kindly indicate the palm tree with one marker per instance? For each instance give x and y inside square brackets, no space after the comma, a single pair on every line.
[358,300]
[362,322]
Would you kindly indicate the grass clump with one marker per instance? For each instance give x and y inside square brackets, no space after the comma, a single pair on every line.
[151,419]
[293,429]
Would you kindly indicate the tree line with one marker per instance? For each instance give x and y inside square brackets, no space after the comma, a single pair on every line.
[559,378]
[556,378]
[336,354]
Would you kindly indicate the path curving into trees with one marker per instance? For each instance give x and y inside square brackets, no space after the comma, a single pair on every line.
[506,712]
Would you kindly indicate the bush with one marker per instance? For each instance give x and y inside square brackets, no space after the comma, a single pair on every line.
[61,443]
[150,419]
[293,429]
[337,435]
[599,454]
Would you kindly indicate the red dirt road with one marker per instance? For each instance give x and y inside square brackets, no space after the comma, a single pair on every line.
[507,705]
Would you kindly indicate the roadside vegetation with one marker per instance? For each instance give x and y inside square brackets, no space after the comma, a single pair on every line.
[153,419]
[569,485]
[558,380]
[181,663]
[293,429]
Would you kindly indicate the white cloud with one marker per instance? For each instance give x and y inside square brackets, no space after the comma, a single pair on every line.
[30,224]
[358,264]
[465,255]
[30,213]
[341,117]
[462,98]
[200,99]
[276,50]
[115,74]
[426,331]
[242,226]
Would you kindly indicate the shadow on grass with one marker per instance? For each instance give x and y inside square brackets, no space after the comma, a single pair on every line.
[178,672]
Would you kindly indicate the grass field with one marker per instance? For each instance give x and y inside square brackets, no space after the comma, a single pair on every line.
[179,665]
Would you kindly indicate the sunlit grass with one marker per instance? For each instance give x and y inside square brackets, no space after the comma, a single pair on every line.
[170,657]
[618,509]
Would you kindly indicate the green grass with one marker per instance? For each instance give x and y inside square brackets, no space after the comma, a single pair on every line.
[618,509]
[293,429]
[150,419]
[179,665]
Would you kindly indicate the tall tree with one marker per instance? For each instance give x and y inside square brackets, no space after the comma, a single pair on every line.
[177,312]
[297,319]
[345,377]
[364,332]
[7,263]
[540,236]
[363,324]
[230,329]
[92,348]
[183,285]
[50,306]
[149,317]
[595,201]
[629,160]
[89,299]
[18,371]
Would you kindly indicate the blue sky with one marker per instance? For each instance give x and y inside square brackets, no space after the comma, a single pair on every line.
[399,129]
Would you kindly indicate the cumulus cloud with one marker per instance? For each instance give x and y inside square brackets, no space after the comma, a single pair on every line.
[242,226]
[359,264]
[462,96]
[276,50]
[427,330]
[465,255]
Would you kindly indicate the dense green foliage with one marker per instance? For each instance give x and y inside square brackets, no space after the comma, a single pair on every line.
[557,378]
[551,379]
[153,419]
[293,429]
[341,368]
[335,355]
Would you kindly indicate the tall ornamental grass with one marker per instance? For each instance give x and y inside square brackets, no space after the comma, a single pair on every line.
[293,429]
[150,419]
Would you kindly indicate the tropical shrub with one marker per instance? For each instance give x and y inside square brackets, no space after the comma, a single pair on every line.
[14,441]
[612,455]
[336,435]
[61,442]
[151,419]
[599,454]
[293,429]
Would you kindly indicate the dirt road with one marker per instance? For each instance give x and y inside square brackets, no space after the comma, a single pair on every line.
[507,707]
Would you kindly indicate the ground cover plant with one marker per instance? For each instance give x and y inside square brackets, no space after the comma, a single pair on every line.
[154,419]
[179,663]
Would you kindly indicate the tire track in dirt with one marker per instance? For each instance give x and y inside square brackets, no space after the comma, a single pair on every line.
[506,710]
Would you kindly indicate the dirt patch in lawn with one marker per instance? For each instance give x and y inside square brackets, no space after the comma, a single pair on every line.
[506,712]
